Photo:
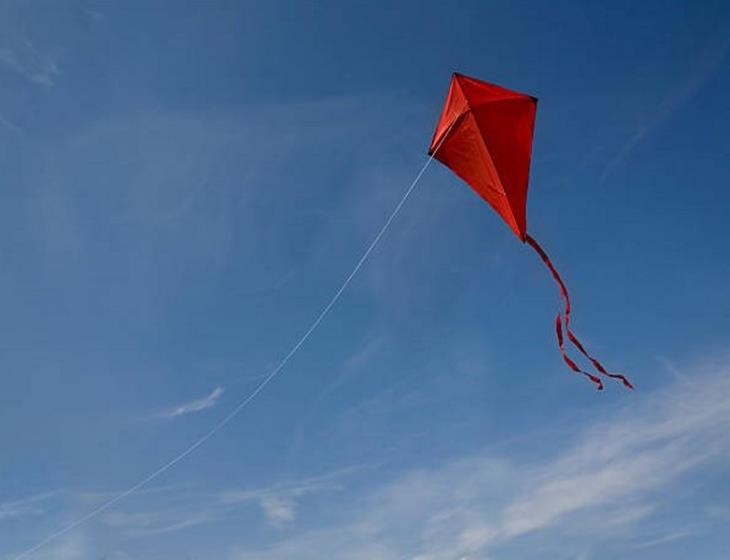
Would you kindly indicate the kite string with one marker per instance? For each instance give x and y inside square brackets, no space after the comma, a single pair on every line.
[241,405]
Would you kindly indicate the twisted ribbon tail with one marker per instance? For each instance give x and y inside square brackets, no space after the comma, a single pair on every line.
[571,336]
[571,364]
[593,360]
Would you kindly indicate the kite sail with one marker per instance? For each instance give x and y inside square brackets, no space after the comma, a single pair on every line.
[484,135]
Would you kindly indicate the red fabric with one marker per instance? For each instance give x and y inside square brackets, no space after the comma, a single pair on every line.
[489,144]
[593,360]
[571,364]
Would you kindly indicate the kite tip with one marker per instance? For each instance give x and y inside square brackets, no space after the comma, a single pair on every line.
[596,380]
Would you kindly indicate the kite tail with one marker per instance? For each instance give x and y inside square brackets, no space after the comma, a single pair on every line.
[571,336]
[571,364]
[593,360]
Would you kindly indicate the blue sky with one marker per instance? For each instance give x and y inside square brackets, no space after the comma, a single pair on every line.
[185,185]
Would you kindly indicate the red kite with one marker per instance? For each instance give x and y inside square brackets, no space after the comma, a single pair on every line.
[484,135]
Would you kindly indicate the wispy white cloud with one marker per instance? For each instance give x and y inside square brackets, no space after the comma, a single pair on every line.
[605,485]
[171,509]
[278,509]
[74,546]
[26,507]
[664,539]
[279,502]
[151,523]
[25,59]
[707,65]
[9,124]
[197,405]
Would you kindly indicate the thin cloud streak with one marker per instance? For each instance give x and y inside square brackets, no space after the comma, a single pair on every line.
[25,59]
[709,62]
[171,509]
[279,502]
[26,507]
[194,406]
[671,537]
[147,524]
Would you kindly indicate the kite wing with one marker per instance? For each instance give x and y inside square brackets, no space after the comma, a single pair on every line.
[488,144]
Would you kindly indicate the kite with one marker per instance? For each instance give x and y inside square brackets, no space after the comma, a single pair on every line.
[484,135]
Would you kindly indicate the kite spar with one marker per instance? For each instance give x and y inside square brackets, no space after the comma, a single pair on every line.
[484,135]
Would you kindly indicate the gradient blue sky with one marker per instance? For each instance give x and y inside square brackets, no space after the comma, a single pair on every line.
[184,185]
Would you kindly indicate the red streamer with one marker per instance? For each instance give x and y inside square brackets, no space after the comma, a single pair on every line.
[571,335]
[571,364]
